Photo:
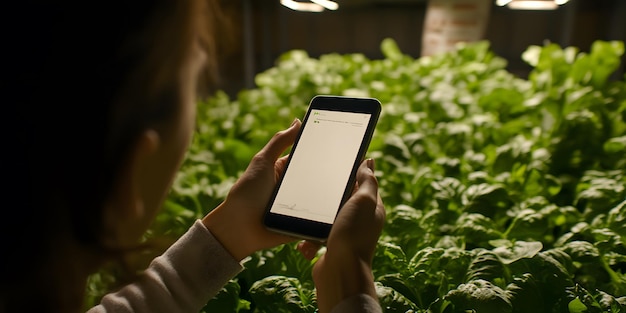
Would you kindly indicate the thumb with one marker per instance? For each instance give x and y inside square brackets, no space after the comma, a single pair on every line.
[367,183]
[281,141]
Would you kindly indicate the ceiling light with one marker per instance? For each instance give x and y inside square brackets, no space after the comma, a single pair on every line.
[531,4]
[302,6]
[330,5]
[502,2]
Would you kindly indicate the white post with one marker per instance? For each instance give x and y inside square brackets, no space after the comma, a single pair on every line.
[448,22]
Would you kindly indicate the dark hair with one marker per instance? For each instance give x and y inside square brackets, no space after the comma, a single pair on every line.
[83,79]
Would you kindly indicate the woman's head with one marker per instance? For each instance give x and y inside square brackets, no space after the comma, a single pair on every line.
[101,98]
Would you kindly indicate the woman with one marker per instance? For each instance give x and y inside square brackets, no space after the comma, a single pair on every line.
[104,105]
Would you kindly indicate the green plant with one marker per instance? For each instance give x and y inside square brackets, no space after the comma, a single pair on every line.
[503,194]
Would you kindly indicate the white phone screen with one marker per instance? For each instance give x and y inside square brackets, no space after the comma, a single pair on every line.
[320,166]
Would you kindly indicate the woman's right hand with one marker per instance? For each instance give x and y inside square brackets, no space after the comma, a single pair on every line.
[345,269]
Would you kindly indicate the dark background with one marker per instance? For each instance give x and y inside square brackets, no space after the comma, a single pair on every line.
[264,29]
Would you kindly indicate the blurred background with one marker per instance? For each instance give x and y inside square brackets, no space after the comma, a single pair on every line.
[264,29]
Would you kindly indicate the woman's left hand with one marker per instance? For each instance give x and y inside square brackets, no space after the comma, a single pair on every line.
[237,222]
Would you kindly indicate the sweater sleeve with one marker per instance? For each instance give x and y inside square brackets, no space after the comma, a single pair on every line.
[361,303]
[183,279]
[188,275]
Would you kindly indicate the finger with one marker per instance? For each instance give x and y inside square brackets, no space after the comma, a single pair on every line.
[366,201]
[368,185]
[380,209]
[308,249]
[369,179]
[279,166]
[281,163]
[281,141]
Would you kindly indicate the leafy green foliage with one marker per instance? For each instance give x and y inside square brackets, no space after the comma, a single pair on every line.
[282,294]
[503,194]
[228,300]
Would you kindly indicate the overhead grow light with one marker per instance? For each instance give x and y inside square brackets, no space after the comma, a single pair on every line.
[532,4]
[310,6]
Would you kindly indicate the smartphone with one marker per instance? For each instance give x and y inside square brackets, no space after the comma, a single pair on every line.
[321,169]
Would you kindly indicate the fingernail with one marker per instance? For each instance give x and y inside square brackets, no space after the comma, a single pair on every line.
[370,164]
